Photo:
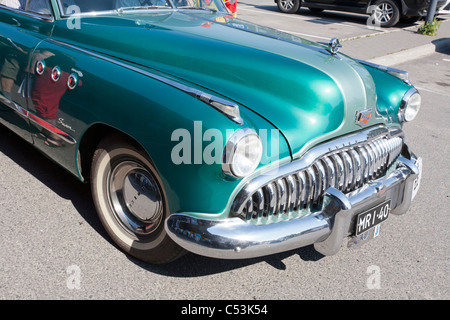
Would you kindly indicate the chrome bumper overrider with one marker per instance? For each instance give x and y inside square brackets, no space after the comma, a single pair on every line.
[233,238]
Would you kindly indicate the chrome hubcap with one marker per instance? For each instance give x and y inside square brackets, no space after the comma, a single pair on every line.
[384,12]
[135,198]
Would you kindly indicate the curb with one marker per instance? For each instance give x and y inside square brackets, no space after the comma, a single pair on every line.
[413,53]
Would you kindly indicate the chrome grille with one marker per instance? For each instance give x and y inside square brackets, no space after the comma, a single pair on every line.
[296,194]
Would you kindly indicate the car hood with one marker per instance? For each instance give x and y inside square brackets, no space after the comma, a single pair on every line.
[297,85]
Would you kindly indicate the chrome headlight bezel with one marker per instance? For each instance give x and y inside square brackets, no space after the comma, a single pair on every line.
[410,105]
[244,145]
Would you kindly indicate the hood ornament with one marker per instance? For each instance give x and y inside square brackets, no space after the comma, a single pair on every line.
[333,46]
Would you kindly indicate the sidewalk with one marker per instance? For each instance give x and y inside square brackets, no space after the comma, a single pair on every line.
[397,46]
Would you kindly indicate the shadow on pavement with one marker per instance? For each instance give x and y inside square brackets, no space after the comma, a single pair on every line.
[192,265]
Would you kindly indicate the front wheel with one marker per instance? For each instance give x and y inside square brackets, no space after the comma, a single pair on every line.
[288,6]
[131,202]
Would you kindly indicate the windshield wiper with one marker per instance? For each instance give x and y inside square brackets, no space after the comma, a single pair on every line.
[122,9]
[197,8]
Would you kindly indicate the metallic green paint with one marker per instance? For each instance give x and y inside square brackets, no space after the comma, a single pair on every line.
[261,73]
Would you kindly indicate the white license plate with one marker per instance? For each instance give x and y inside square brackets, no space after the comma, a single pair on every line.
[373,217]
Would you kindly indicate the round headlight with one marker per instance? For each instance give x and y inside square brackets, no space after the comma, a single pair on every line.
[242,153]
[413,106]
[410,105]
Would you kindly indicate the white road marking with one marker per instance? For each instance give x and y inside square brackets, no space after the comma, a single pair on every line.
[305,35]
[298,17]
[249,8]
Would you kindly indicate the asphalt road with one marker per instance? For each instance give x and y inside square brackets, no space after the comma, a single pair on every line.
[53,247]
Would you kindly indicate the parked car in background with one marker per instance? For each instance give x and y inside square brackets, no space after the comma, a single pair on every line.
[384,13]
[287,143]
[444,8]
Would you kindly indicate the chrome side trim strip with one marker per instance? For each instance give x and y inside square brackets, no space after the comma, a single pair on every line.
[48,126]
[226,107]
[37,120]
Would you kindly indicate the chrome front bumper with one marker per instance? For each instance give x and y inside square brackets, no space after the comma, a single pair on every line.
[235,239]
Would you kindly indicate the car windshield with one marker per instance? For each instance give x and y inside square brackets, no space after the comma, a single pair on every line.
[69,7]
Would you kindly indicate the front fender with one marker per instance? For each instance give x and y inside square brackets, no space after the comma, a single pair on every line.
[390,91]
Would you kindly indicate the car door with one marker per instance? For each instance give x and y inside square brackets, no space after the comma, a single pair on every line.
[21,30]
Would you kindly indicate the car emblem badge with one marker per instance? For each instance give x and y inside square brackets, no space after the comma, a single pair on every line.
[334,45]
[363,117]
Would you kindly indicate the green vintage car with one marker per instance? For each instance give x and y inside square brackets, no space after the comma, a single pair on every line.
[204,133]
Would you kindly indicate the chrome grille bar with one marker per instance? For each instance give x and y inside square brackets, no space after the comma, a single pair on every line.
[296,192]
